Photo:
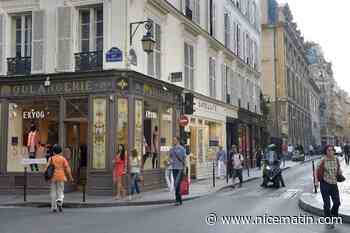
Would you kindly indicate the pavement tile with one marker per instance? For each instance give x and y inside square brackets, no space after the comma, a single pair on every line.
[160,196]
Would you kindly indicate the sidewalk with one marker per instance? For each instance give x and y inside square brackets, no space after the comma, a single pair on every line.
[160,196]
[313,203]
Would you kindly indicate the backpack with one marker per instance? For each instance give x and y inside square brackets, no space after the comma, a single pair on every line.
[50,170]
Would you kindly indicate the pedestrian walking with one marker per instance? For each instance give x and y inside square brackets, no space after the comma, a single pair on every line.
[169,175]
[290,150]
[258,157]
[237,165]
[327,172]
[178,162]
[221,159]
[61,169]
[347,153]
[118,173]
[135,170]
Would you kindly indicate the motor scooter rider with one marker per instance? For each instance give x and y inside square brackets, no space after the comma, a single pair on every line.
[271,157]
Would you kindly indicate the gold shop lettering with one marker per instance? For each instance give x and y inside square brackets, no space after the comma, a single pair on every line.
[34,114]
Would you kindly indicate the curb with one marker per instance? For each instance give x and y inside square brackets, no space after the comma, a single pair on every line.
[121,204]
[308,207]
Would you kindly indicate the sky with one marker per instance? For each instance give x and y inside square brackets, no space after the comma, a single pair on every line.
[327,23]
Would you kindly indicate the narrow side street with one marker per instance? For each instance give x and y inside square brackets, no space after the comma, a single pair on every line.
[251,199]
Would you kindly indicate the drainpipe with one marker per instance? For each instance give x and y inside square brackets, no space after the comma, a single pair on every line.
[275,79]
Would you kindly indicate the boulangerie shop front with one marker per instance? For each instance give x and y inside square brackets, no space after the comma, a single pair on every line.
[89,114]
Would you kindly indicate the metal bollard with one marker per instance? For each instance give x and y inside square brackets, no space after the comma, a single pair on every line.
[84,191]
[213,173]
[25,184]
[313,174]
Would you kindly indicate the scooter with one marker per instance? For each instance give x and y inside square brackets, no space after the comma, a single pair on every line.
[271,174]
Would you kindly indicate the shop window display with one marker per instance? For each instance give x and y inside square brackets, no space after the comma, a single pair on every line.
[150,136]
[122,124]
[33,126]
[138,128]
[215,135]
[99,133]
[166,134]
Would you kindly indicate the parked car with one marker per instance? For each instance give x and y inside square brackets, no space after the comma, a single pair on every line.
[338,151]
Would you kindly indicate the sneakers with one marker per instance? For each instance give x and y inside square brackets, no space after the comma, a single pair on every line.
[59,205]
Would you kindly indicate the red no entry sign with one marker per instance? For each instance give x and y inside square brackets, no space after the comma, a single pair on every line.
[183,121]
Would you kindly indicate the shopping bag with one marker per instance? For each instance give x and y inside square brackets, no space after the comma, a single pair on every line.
[184,186]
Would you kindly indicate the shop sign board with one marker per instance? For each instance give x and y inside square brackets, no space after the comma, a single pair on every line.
[33,161]
[183,121]
[59,87]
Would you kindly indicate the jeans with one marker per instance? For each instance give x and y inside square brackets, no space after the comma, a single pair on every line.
[177,174]
[169,179]
[134,183]
[330,191]
[57,193]
[33,167]
[221,169]
[237,173]
[347,158]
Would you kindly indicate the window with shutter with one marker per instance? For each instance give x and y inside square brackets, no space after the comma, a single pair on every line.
[2,44]
[38,42]
[64,60]
[90,39]
[154,59]
[224,83]
[238,40]
[212,77]
[227,30]
[189,66]
[21,47]
[197,11]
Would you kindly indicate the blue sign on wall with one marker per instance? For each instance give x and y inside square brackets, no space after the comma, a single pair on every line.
[114,55]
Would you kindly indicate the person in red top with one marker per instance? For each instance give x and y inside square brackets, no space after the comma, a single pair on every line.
[119,169]
[62,169]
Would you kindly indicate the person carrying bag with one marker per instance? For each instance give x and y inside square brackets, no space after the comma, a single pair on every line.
[328,173]
[177,158]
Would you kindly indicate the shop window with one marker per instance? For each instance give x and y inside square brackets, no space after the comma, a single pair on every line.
[77,108]
[215,136]
[151,138]
[139,144]
[122,125]
[99,133]
[166,134]
[32,125]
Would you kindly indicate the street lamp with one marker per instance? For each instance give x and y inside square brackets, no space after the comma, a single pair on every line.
[148,42]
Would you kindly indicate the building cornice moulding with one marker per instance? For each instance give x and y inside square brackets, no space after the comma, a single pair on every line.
[20,6]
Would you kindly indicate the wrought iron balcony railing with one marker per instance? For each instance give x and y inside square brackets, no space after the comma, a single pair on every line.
[88,61]
[19,65]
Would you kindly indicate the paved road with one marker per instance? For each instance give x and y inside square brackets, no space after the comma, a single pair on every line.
[189,218]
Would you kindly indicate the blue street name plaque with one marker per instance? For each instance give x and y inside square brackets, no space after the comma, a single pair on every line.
[114,55]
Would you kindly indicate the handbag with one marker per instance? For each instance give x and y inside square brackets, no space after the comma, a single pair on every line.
[184,186]
[340,177]
[50,170]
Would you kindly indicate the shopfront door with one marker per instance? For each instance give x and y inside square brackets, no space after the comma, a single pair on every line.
[76,138]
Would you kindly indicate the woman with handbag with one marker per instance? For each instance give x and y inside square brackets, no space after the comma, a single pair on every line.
[328,174]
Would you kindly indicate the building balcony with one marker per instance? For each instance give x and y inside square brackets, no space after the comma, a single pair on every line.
[19,65]
[88,61]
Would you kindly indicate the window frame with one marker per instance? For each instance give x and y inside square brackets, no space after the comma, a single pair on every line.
[189,80]
[93,24]
[26,34]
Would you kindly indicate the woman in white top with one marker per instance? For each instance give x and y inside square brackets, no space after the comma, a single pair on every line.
[135,170]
